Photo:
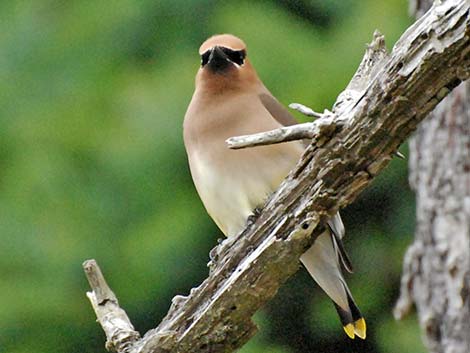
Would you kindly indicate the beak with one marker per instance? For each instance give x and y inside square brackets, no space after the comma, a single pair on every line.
[218,60]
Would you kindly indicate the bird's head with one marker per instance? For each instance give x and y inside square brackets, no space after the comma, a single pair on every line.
[224,63]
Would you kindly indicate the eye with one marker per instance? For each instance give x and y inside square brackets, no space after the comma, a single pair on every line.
[205,57]
[235,56]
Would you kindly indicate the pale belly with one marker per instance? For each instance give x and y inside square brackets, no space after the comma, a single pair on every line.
[232,187]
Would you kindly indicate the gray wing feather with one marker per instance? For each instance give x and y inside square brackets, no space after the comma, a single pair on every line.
[276,109]
[337,229]
[336,225]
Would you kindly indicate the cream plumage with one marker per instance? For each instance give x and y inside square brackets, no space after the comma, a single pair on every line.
[230,100]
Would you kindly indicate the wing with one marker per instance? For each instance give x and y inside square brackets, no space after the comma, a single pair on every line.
[283,117]
[320,261]
[337,233]
[276,109]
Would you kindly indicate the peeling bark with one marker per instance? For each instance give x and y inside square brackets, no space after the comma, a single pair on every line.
[437,265]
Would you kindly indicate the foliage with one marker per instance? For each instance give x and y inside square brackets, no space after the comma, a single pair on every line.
[92,97]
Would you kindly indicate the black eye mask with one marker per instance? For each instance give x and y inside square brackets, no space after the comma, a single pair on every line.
[235,56]
[205,57]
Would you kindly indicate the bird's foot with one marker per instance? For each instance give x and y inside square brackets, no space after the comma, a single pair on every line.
[254,216]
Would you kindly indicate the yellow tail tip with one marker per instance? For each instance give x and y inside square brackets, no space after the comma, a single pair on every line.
[349,329]
[360,328]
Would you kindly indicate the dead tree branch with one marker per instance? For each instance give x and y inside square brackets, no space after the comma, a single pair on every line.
[119,331]
[322,127]
[381,107]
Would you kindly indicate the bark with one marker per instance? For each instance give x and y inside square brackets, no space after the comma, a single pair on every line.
[381,107]
[437,265]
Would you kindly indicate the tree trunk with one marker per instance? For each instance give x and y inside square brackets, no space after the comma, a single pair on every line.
[437,265]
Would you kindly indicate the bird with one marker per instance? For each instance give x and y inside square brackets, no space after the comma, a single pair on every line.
[230,100]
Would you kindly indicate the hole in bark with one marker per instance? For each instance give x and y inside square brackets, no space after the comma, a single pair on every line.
[282,236]
[453,271]
[399,65]
[424,35]
[464,293]
[305,225]
[454,83]
[233,307]
[188,323]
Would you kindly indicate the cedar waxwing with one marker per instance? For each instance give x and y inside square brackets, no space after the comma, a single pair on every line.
[230,100]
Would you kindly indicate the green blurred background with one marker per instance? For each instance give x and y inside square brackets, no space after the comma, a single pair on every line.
[92,165]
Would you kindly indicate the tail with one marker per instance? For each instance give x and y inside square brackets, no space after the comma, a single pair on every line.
[322,261]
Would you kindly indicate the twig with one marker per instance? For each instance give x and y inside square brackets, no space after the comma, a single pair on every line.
[323,127]
[306,110]
[119,331]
